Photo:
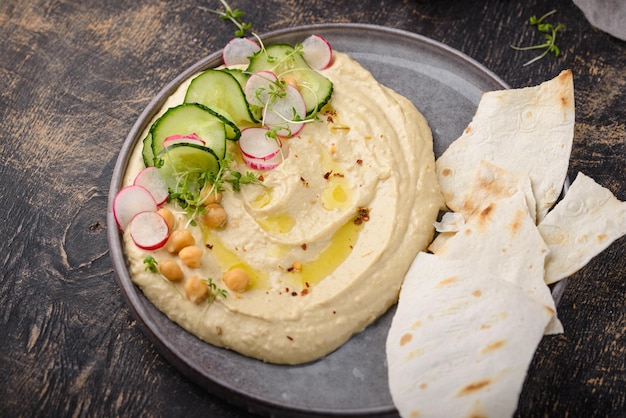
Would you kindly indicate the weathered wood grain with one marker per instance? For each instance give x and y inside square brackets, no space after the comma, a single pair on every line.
[75,75]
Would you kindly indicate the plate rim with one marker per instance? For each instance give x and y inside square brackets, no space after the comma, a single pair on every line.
[133,295]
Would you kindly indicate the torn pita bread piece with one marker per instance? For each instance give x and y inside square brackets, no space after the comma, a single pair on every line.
[491,182]
[528,130]
[461,341]
[582,225]
[449,224]
[500,237]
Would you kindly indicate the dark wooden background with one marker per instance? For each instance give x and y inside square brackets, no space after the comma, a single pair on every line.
[75,75]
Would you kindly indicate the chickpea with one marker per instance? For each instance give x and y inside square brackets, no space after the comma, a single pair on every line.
[190,256]
[171,270]
[236,279]
[215,216]
[209,196]
[196,289]
[178,240]
[291,81]
[169,218]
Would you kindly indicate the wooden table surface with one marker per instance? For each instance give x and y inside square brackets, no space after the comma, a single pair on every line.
[74,77]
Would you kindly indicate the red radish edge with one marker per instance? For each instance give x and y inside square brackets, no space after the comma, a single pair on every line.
[317,52]
[129,201]
[188,139]
[255,144]
[267,164]
[150,179]
[148,230]
[239,50]
[268,155]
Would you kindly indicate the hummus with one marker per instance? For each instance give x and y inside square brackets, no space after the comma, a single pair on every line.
[370,151]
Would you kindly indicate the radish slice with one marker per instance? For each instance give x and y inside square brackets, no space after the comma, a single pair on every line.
[255,144]
[261,165]
[259,86]
[188,139]
[129,201]
[260,152]
[148,230]
[239,50]
[317,52]
[150,178]
[264,165]
[286,112]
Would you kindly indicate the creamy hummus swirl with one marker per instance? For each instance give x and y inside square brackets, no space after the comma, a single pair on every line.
[370,150]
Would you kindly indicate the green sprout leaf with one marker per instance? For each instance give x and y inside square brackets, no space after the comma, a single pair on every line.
[215,291]
[550,31]
[234,178]
[233,15]
[189,195]
[151,264]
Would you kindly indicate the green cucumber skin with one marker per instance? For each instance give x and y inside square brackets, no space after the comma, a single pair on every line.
[220,91]
[191,159]
[146,152]
[285,60]
[189,118]
[240,75]
[215,108]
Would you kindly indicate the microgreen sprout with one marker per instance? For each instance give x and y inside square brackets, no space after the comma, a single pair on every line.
[550,31]
[233,15]
[278,90]
[189,194]
[215,291]
[234,178]
[151,264]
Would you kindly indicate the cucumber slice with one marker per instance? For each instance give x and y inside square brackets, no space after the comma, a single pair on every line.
[241,76]
[219,90]
[286,61]
[146,152]
[183,166]
[189,118]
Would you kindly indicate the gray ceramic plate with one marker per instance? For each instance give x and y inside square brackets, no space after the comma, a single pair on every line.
[446,86]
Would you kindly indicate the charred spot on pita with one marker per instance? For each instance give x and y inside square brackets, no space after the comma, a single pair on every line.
[474,387]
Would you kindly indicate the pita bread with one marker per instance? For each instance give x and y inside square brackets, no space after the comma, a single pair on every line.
[471,314]
[450,222]
[501,238]
[528,130]
[461,341]
[583,224]
[492,182]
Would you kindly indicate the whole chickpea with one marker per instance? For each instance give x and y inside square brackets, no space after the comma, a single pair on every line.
[171,270]
[169,218]
[179,239]
[236,279]
[196,289]
[215,216]
[190,256]
[209,196]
